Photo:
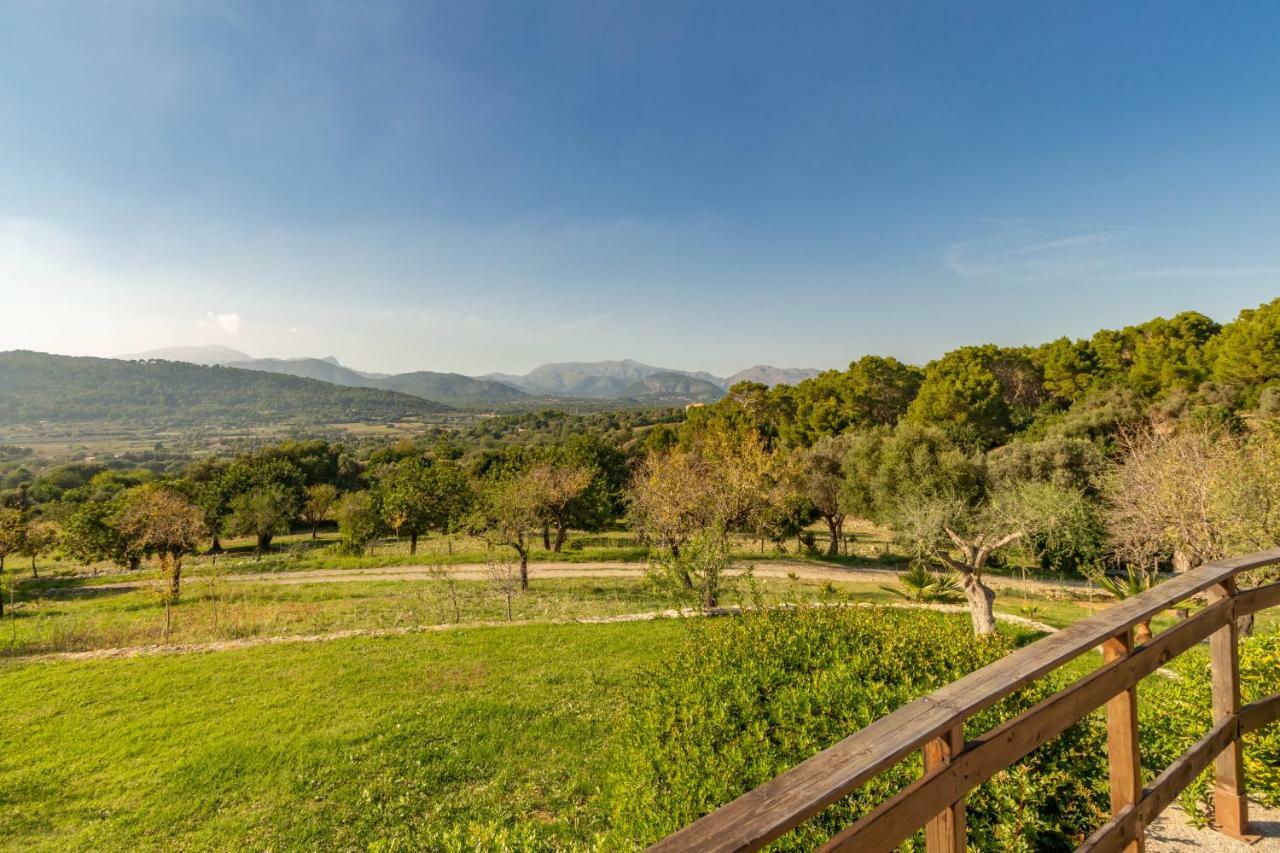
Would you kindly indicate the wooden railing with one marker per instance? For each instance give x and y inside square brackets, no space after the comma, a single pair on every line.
[954,767]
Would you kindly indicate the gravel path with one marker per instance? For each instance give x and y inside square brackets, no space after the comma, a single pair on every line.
[1173,833]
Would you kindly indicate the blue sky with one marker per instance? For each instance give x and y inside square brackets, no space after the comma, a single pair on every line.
[481,186]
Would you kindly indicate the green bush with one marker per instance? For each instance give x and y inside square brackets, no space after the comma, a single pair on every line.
[1178,712]
[749,697]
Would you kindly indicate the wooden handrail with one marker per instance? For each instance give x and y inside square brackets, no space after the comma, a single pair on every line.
[954,768]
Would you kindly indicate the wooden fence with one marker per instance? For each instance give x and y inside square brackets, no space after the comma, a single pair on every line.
[953,766]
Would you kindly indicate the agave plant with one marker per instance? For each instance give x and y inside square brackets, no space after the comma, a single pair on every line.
[1133,582]
[919,584]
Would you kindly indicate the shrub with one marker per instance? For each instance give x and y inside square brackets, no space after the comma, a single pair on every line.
[1177,713]
[746,698]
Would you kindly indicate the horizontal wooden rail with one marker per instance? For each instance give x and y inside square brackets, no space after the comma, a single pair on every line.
[1127,827]
[889,825]
[785,802]
[1252,600]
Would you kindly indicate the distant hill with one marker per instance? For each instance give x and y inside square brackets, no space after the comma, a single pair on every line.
[580,380]
[671,387]
[41,387]
[324,369]
[452,389]
[598,379]
[211,354]
[767,375]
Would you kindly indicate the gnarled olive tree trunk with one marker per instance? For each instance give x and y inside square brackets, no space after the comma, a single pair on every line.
[981,597]
[981,600]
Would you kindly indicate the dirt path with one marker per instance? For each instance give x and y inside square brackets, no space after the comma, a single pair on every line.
[251,642]
[773,569]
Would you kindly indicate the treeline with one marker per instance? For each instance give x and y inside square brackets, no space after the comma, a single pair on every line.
[512,497]
[985,396]
[1143,449]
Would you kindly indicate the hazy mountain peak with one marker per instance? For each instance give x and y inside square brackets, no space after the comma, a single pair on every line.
[207,354]
[769,375]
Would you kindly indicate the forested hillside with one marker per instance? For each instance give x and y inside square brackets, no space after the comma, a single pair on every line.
[42,387]
[451,388]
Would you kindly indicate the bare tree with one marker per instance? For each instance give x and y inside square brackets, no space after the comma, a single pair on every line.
[1193,495]
[442,576]
[506,578]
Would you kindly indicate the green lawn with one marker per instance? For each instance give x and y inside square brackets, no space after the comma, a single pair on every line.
[445,740]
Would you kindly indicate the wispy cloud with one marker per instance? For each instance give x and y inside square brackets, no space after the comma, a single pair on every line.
[1095,226]
[574,325]
[1063,243]
[1207,273]
[1004,258]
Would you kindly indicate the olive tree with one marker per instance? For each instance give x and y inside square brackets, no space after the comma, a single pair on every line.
[963,536]
[823,484]
[941,505]
[262,512]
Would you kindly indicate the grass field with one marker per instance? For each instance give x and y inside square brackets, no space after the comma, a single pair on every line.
[469,738]
[448,740]
[225,609]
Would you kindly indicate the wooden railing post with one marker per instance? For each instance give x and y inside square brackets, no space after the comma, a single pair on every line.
[1122,741]
[947,832]
[1230,806]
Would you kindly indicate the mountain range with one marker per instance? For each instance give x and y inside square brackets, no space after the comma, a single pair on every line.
[600,380]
